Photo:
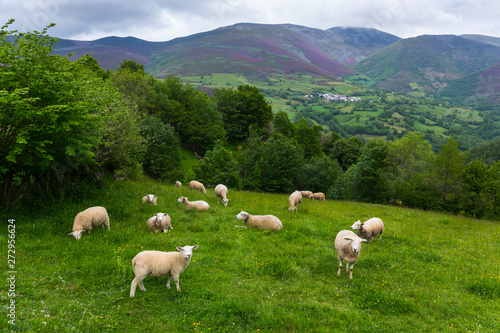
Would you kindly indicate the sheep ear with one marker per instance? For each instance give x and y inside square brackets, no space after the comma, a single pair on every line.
[179,248]
[348,238]
[363,240]
[195,247]
[70,234]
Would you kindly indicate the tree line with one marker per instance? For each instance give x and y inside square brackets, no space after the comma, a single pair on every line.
[65,126]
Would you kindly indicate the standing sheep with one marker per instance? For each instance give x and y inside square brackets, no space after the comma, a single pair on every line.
[194,185]
[348,247]
[90,217]
[159,222]
[268,222]
[178,184]
[318,196]
[369,229]
[158,263]
[294,200]
[306,194]
[149,199]
[221,193]
[198,205]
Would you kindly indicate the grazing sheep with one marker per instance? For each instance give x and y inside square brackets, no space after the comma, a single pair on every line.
[178,184]
[318,196]
[149,199]
[194,185]
[198,205]
[268,222]
[306,194]
[294,200]
[158,263]
[369,229]
[90,217]
[159,222]
[221,193]
[348,247]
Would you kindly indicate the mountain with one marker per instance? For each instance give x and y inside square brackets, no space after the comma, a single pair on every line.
[483,39]
[427,62]
[241,48]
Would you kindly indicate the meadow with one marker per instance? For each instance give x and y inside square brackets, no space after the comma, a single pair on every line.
[431,272]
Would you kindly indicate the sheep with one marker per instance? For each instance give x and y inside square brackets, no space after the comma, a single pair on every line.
[306,194]
[369,229]
[348,247]
[149,199]
[178,184]
[198,205]
[268,222]
[160,221]
[158,263]
[194,185]
[319,195]
[90,217]
[221,193]
[294,200]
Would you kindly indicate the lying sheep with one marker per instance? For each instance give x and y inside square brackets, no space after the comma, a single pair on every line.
[158,263]
[348,247]
[317,196]
[268,222]
[369,229]
[178,184]
[90,217]
[221,193]
[194,185]
[149,199]
[198,205]
[159,222]
[306,194]
[294,200]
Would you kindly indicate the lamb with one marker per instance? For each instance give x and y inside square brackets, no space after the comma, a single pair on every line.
[160,221]
[267,222]
[198,205]
[195,185]
[348,247]
[149,199]
[306,194]
[90,217]
[294,200]
[369,229]
[178,184]
[158,263]
[318,196]
[221,193]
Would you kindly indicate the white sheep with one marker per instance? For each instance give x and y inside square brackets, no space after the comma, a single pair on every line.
[268,222]
[149,199]
[90,217]
[369,229]
[295,200]
[348,247]
[306,194]
[199,205]
[195,185]
[160,221]
[178,184]
[221,193]
[318,196]
[158,263]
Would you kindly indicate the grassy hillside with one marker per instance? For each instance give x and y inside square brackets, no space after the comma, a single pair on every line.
[430,272]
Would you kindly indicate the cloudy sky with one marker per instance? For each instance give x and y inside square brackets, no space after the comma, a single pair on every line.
[164,20]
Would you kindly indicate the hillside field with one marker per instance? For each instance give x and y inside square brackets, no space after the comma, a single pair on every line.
[431,272]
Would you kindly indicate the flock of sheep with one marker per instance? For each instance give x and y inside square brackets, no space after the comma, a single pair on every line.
[158,263]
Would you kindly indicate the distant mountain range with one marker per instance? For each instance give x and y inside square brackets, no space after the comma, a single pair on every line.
[464,67]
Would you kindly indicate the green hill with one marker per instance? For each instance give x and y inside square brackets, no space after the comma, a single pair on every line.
[430,272]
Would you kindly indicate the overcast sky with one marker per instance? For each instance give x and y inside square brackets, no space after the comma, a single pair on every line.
[157,20]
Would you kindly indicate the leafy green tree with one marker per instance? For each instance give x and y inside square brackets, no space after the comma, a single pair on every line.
[319,174]
[346,151]
[307,139]
[162,159]
[283,125]
[249,162]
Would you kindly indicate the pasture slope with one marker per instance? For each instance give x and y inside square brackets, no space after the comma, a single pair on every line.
[431,272]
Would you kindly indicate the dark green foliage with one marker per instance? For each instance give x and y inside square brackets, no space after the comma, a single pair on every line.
[283,125]
[318,174]
[488,152]
[307,139]
[346,151]
[162,158]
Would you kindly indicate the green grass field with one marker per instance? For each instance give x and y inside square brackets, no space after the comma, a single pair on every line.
[431,272]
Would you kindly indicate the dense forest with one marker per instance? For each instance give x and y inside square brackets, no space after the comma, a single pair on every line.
[67,126]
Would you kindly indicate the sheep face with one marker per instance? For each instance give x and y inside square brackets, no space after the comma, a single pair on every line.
[242,216]
[225,202]
[187,251]
[355,243]
[181,199]
[77,234]
[357,225]
[159,218]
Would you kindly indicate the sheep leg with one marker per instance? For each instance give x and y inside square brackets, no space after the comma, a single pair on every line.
[350,275]
[340,266]
[168,281]
[106,223]
[176,280]
[347,267]
[135,281]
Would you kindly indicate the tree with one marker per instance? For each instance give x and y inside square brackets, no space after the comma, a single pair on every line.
[482,183]
[307,139]
[319,174]
[346,151]
[283,125]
